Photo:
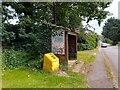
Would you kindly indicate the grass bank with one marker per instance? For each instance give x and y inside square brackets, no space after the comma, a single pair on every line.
[87,56]
[22,78]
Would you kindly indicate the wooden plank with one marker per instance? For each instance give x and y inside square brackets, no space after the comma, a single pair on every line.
[72,33]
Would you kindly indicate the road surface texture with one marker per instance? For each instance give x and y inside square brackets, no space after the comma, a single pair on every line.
[112,53]
[97,76]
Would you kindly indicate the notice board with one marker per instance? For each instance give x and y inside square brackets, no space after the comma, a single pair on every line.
[58,42]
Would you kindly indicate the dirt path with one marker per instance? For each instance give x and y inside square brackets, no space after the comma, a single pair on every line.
[97,76]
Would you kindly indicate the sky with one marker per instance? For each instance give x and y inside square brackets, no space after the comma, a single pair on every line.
[98,29]
[112,9]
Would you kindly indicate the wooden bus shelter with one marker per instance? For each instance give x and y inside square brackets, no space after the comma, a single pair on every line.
[64,45]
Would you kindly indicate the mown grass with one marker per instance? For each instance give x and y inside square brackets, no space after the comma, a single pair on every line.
[87,56]
[22,78]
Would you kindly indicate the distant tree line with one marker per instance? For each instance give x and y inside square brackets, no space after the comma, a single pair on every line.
[111,30]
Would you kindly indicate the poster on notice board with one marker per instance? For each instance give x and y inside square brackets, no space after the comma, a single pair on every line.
[58,42]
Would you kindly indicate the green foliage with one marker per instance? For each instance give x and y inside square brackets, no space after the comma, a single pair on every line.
[87,41]
[33,16]
[92,40]
[111,30]
[106,40]
[37,43]
[7,34]
[37,64]
[33,31]
[93,10]
[71,14]
[76,62]
[19,59]
[14,59]
[82,46]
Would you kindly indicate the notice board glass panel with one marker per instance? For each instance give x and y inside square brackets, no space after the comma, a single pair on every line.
[58,42]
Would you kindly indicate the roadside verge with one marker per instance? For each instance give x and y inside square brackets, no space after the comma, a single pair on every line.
[109,69]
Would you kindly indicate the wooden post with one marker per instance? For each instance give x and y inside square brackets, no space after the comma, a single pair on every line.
[54,13]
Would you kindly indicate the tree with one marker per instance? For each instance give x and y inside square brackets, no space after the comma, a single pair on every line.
[106,40]
[111,30]
[70,14]
[33,31]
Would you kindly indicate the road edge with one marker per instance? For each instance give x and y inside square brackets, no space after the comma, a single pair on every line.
[106,59]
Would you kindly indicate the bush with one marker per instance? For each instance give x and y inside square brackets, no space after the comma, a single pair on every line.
[82,47]
[106,40]
[38,63]
[89,42]
[14,59]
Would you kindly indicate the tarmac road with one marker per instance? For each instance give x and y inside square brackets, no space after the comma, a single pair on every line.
[112,53]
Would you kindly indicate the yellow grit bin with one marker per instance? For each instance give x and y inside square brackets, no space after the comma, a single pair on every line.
[51,62]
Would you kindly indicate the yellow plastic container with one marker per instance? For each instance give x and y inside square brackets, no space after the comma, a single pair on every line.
[51,62]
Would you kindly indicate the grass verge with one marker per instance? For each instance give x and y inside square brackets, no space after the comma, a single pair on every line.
[87,56]
[108,68]
[22,78]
